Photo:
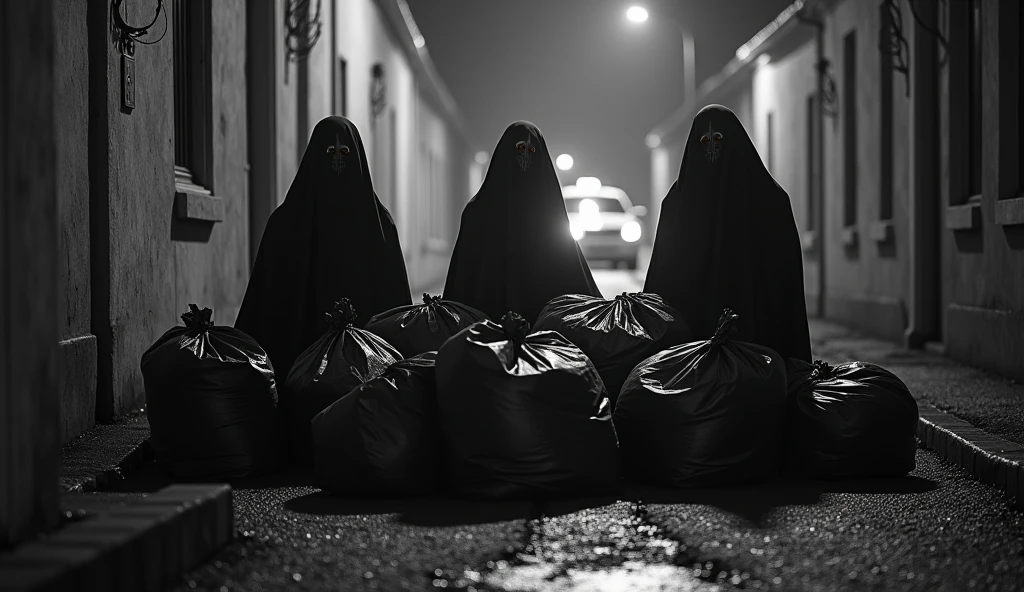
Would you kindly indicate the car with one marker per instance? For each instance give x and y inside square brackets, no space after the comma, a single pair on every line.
[604,221]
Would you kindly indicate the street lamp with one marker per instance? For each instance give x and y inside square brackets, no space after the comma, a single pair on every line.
[639,14]
[563,162]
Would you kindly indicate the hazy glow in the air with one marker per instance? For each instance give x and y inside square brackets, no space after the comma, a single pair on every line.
[637,14]
[590,215]
[577,230]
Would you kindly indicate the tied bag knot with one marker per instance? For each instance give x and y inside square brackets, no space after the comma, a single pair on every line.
[432,303]
[198,320]
[726,327]
[822,371]
[516,327]
[343,316]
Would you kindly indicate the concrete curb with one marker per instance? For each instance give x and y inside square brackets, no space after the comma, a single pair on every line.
[138,456]
[139,547]
[988,458]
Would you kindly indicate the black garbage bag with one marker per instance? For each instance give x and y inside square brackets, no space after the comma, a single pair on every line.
[382,439]
[343,358]
[523,414]
[706,413]
[850,420]
[212,402]
[423,327]
[615,334]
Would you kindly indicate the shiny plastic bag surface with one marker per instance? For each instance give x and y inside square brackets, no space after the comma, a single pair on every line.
[849,420]
[615,334]
[523,414]
[382,439]
[212,402]
[343,358]
[706,413]
[423,327]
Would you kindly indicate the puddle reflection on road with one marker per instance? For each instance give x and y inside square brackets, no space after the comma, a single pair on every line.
[611,548]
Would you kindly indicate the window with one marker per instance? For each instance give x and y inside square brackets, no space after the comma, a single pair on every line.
[393,158]
[812,161]
[192,112]
[974,104]
[885,135]
[849,110]
[770,136]
[340,98]
[1020,99]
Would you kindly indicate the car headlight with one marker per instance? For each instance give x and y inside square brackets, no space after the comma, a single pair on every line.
[630,231]
[577,230]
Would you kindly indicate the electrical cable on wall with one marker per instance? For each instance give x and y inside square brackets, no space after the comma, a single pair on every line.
[128,35]
[941,9]
[829,99]
[301,30]
[892,42]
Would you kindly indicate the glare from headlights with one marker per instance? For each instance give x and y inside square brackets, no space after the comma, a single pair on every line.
[577,230]
[630,231]
[590,215]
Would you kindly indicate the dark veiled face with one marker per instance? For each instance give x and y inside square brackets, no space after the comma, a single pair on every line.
[713,143]
[526,148]
[338,153]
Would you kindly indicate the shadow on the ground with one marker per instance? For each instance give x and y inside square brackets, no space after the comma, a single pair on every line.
[150,478]
[751,502]
[755,501]
[429,511]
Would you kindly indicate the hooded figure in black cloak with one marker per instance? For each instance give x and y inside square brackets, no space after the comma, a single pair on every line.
[727,239]
[330,239]
[515,250]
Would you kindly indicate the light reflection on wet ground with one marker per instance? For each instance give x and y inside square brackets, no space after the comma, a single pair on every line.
[609,548]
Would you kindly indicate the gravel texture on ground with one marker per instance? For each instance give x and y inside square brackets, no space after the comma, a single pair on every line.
[935,530]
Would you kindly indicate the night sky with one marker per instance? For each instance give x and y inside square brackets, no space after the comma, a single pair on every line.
[594,82]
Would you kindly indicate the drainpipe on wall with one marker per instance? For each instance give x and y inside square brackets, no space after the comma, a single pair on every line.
[819,222]
[924,294]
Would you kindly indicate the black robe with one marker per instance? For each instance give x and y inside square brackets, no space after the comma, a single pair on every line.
[727,239]
[330,239]
[515,250]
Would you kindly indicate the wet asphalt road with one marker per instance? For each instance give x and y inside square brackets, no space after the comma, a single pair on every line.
[935,530]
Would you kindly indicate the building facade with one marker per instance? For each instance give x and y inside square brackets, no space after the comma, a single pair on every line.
[139,175]
[164,195]
[896,130]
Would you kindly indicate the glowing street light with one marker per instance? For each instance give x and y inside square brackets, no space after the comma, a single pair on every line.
[652,140]
[482,157]
[563,162]
[637,14]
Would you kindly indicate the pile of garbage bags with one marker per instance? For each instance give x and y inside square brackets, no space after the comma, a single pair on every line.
[381,439]
[705,413]
[342,359]
[212,401]
[523,414]
[615,334]
[500,410]
[421,328]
